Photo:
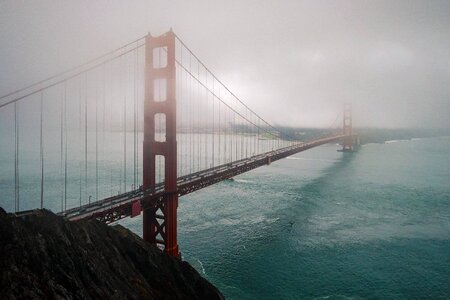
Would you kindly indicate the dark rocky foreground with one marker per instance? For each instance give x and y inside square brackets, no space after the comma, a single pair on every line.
[44,256]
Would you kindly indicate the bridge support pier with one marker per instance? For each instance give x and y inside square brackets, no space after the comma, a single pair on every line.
[160,215]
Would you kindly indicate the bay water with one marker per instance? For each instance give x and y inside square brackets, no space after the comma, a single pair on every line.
[327,225]
[318,225]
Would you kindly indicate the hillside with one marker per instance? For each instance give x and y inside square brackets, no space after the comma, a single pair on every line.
[43,256]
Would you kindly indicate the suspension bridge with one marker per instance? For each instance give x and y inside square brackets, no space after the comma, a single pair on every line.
[132,131]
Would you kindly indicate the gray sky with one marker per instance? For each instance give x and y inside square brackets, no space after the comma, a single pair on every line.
[293,62]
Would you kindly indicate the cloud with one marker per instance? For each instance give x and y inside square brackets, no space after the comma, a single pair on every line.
[294,62]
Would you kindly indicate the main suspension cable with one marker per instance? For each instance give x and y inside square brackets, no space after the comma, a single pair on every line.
[41,82]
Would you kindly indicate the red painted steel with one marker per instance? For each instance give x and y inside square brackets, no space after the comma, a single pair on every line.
[160,217]
[136,209]
[347,144]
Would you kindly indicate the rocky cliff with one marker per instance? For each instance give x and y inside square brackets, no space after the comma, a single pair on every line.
[43,256]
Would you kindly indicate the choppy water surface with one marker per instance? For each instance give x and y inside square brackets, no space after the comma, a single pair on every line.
[321,224]
[324,224]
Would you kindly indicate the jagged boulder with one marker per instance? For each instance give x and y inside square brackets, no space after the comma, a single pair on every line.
[44,256]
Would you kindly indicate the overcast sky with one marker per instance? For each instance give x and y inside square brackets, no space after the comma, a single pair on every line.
[293,62]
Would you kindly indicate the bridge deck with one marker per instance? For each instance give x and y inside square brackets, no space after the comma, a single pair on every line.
[117,207]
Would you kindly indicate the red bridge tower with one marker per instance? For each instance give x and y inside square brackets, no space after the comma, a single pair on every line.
[160,216]
[348,144]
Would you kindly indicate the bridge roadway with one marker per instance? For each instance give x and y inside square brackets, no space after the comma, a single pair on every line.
[121,206]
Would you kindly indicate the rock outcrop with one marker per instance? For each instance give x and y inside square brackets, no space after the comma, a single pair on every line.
[43,256]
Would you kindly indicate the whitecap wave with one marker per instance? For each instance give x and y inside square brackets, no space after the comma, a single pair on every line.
[312,159]
[201,266]
[243,181]
[395,141]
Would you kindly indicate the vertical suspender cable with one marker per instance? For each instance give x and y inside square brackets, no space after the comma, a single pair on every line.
[191,144]
[137,122]
[219,110]
[61,150]
[257,137]
[80,163]
[249,135]
[103,130]
[183,80]
[111,160]
[254,138]
[234,131]
[233,128]
[65,146]
[214,129]
[181,108]
[236,141]
[41,150]
[134,119]
[125,128]
[96,143]
[206,121]
[240,136]
[243,128]
[16,157]
[227,114]
[199,134]
[228,132]
[239,131]
[242,147]
[245,137]
[85,137]
[220,132]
